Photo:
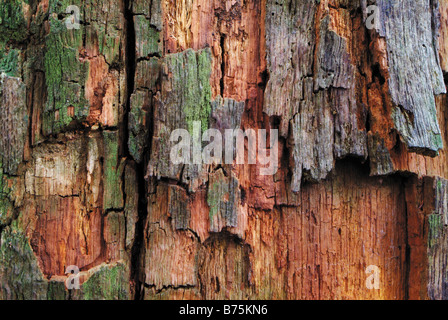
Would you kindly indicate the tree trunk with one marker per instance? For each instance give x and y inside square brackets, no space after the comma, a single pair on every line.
[360,197]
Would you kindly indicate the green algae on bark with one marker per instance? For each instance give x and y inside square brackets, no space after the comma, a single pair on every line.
[113,171]
[10,61]
[109,282]
[20,275]
[65,77]
[12,21]
[191,73]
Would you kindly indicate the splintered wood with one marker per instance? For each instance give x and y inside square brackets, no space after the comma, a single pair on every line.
[357,207]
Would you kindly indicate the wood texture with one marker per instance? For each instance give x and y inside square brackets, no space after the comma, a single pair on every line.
[86,117]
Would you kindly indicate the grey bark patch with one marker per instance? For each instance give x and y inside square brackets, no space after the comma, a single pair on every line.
[13,122]
[415,72]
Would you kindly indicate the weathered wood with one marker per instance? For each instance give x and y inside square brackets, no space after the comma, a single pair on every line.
[437,240]
[64,182]
[86,178]
[408,29]
[14,124]
[184,98]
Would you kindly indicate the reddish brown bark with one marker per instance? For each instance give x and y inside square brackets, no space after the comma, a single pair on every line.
[86,179]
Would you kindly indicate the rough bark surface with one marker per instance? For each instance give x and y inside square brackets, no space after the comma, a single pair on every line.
[86,117]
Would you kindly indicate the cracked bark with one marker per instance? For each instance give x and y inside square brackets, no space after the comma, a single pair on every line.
[86,116]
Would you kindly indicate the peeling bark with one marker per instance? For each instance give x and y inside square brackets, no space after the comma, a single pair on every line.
[86,117]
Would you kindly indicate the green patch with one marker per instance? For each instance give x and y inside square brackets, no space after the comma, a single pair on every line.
[9,62]
[6,207]
[191,72]
[113,171]
[435,229]
[138,128]
[12,21]
[215,194]
[148,39]
[19,270]
[56,291]
[109,283]
[65,77]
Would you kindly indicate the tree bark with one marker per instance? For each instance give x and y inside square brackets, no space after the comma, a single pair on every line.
[86,116]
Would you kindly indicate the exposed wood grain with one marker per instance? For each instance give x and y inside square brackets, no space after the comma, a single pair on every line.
[86,117]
